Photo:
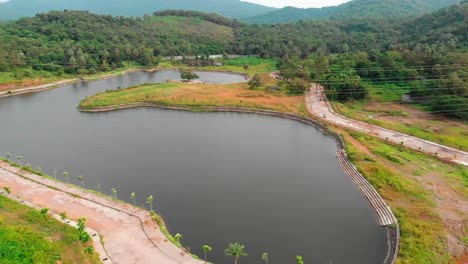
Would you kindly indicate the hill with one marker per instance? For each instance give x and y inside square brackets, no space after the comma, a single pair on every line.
[356,9]
[85,40]
[14,9]
[97,41]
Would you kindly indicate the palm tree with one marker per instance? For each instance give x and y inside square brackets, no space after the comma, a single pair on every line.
[114,193]
[80,178]
[19,160]
[150,202]
[178,237]
[67,176]
[265,257]
[235,250]
[133,196]
[299,260]
[206,249]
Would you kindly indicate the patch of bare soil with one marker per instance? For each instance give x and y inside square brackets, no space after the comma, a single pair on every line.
[17,85]
[452,207]
[406,114]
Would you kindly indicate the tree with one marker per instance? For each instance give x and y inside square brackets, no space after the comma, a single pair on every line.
[81,225]
[299,260]
[114,193]
[235,250]
[345,86]
[66,175]
[150,202]
[19,160]
[265,257]
[206,249]
[80,178]
[188,75]
[133,196]
[44,211]
[72,61]
[178,237]
[255,81]
[63,216]
[297,85]
[8,155]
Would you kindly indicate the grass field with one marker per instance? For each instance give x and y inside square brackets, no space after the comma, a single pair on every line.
[27,236]
[384,109]
[407,180]
[256,65]
[196,95]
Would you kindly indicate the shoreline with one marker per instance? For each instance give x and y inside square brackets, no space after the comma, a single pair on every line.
[64,82]
[382,211]
[106,216]
[392,230]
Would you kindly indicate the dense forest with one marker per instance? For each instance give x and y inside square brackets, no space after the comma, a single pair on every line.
[429,51]
[356,9]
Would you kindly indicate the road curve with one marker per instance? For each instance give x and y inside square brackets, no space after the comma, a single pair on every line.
[318,106]
[130,235]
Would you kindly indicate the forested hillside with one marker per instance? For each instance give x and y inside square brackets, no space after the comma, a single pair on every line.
[48,38]
[424,56]
[14,9]
[78,39]
[356,9]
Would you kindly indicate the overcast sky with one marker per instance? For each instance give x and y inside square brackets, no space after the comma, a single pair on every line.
[298,3]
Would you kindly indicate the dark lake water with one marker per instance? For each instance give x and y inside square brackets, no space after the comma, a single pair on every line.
[269,183]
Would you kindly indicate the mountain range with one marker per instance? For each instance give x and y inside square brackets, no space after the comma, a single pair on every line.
[356,9]
[245,11]
[14,9]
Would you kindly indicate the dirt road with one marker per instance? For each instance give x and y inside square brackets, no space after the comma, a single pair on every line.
[320,107]
[130,236]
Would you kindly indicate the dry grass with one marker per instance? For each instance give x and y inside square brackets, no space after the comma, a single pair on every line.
[409,120]
[196,95]
[428,196]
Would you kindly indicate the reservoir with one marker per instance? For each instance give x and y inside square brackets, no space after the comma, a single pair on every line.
[269,183]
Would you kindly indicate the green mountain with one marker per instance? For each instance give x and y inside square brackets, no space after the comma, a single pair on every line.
[356,9]
[14,9]
[91,41]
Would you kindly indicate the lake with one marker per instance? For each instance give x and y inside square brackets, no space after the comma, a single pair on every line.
[269,183]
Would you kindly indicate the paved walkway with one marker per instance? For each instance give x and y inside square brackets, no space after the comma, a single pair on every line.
[130,236]
[320,107]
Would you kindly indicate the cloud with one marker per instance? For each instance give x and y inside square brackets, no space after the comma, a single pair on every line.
[298,3]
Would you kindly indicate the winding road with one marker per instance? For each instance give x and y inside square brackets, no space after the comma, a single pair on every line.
[318,106]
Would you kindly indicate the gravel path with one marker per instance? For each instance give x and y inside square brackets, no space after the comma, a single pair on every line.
[320,107]
[130,236]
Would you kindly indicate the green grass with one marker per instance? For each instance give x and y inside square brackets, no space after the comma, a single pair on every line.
[423,238]
[27,236]
[256,65]
[197,96]
[28,74]
[434,130]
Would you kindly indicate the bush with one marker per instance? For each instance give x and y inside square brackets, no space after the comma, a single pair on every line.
[297,85]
